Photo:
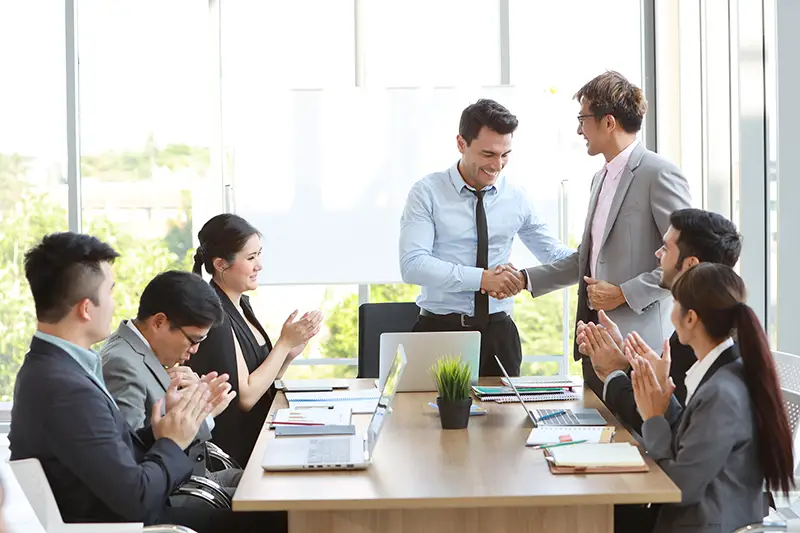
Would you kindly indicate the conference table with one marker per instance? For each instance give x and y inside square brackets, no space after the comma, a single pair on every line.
[423,478]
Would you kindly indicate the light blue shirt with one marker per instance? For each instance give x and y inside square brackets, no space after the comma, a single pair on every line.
[439,239]
[89,360]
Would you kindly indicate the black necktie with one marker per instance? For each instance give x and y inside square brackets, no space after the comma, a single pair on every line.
[482,259]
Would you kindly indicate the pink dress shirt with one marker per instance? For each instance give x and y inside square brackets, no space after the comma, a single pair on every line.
[613,170]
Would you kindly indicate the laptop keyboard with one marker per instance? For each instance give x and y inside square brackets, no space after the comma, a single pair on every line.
[324,451]
[566,419]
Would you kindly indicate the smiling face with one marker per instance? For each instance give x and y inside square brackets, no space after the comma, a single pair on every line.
[669,255]
[242,274]
[484,158]
[592,129]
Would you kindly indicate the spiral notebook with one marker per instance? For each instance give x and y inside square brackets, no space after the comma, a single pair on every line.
[359,401]
[553,397]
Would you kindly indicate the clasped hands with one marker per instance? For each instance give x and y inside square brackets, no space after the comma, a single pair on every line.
[503,281]
[182,377]
[609,351]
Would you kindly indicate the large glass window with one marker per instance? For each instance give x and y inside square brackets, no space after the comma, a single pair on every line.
[145,108]
[550,64]
[33,162]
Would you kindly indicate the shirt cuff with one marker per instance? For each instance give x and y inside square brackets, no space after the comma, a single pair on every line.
[210,422]
[609,377]
[528,284]
[472,277]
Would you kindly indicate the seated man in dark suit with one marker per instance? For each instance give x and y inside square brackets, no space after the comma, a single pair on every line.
[98,468]
[694,236]
[176,311]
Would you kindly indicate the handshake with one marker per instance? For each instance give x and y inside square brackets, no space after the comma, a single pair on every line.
[503,281]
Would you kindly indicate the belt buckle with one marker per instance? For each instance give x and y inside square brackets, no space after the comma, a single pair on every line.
[463,323]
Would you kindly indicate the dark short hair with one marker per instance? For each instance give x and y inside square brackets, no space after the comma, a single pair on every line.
[63,269]
[612,94]
[183,297]
[708,236]
[223,236]
[487,113]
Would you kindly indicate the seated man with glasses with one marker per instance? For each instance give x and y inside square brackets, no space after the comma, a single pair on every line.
[176,311]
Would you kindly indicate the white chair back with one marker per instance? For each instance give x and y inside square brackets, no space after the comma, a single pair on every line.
[31,478]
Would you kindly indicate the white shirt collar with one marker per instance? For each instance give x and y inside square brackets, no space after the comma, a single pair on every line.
[133,328]
[695,374]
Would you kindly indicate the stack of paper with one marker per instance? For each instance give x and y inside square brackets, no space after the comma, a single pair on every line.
[542,381]
[614,454]
[558,434]
[313,416]
[359,401]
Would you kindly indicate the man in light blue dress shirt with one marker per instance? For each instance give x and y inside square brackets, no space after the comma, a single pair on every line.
[459,224]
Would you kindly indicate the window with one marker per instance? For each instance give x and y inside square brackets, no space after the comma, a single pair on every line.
[550,64]
[33,162]
[146,185]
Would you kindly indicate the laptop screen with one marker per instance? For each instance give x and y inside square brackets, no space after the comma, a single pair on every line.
[385,401]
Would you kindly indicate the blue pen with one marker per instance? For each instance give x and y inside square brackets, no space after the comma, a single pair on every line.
[551,415]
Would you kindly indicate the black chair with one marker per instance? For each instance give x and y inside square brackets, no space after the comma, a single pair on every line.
[374,319]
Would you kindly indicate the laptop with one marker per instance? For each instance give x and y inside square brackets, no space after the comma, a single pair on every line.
[423,349]
[567,417]
[337,453]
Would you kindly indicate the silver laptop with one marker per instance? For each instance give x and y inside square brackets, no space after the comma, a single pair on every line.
[337,453]
[557,417]
[423,349]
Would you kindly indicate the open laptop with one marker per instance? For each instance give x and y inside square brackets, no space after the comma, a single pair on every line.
[337,453]
[569,417]
[423,349]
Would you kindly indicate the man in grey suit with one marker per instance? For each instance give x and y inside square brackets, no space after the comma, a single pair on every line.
[176,311]
[631,200]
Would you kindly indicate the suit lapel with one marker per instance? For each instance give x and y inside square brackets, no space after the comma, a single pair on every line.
[622,189]
[727,357]
[150,360]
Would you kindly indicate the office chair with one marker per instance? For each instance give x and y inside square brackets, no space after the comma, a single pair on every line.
[217,456]
[31,478]
[788,367]
[374,319]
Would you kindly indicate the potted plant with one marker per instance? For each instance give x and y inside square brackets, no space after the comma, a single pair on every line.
[453,377]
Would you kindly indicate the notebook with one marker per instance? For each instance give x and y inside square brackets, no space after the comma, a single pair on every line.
[587,455]
[549,397]
[314,416]
[556,434]
[359,401]
[541,381]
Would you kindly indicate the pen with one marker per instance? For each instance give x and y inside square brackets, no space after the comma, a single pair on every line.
[551,415]
[317,406]
[544,446]
[297,424]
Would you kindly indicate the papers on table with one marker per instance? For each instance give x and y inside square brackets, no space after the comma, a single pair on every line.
[542,381]
[313,416]
[557,434]
[359,401]
[586,455]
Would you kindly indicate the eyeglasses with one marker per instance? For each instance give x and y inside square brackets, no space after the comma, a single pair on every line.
[192,342]
[581,117]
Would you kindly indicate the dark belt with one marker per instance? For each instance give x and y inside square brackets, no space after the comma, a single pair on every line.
[465,321]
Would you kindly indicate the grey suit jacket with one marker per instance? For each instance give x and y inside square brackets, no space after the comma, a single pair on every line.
[137,380]
[710,453]
[650,189]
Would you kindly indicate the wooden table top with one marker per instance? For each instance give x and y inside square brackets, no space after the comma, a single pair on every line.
[417,464]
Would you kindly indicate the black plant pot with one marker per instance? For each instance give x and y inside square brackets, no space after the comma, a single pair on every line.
[454,414]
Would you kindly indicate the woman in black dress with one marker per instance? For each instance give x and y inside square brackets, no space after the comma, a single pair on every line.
[230,250]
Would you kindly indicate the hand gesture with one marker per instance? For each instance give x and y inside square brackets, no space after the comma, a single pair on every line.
[606,356]
[184,374]
[296,332]
[297,350]
[610,326]
[502,282]
[181,423]
[635,346]
[221,393]
[603,296]
[651,399]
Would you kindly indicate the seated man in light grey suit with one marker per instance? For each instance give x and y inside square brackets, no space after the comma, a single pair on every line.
[176,311]
[631,200]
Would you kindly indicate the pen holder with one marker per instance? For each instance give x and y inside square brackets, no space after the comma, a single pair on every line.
[454,414]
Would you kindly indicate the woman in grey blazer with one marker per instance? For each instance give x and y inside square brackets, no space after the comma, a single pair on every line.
[733,435]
